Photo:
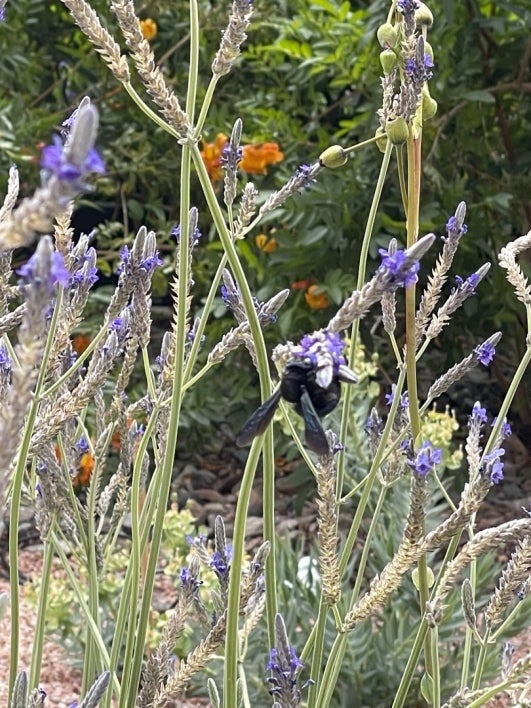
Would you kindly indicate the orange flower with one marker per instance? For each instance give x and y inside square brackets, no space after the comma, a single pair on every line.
[149,28]
[316,300]
[80,342]
[254,160]
[211,154]
[256,157]
[301,284]
[85,470]
[265,244]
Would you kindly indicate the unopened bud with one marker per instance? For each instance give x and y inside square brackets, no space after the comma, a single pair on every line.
[429,106]
[428,49]
[382,139]
[387,35]
[333,157]
[388,60]
[397,130]
[423,16]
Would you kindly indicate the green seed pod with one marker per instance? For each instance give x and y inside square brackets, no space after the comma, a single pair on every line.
[333,157]
[387,35]
[429,106]
[397,130]
[382,139]
[423,16]
[388,60]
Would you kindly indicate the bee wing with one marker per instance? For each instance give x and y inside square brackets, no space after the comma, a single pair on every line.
[314,433]
[259,420]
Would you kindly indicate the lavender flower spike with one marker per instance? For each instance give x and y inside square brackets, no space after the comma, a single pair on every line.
[397,269]
[285,666]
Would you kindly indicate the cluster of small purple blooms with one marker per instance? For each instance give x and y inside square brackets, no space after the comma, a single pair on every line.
[424,459]
[176,233]
[396,264]
[55,160]
[491,463]
[285,666]
[148,264]
[321,344]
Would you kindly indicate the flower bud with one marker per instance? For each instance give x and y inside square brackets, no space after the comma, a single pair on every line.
[397,130]
[387,35]
[423,16]
[381,143]
[429,106]
[428,49]
[333,157]
[388,60]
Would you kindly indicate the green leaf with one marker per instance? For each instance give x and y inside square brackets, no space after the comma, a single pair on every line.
[481,96]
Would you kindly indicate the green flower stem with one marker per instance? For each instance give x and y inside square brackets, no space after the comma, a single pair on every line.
[467,647]
[363,144]
[317,638]
[238,548]
[412,663]
[102,649]
[367,545]
[414,656]
[436,677]
[480,666]
[268,458]
[137,634]
[38,641]
[191,94]
[149,112]
[16,493]
[371,477]
[202,324]
[414,146]
[205,107]
[364,254]
[339,647]
[92,660]
[402,177]
[145,525]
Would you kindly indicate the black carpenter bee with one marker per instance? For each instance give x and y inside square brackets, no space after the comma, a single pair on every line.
[299,385]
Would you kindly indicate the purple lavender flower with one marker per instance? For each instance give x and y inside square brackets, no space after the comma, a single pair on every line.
[485,353]
[479,413]
[284,670]
[506,429]
[220,562]
[404,398]
[425,460]
[151,262]
[456,227]
[469,284]
[492,466]
[82,445]
[317,345]
[176,233]
[189,581]
[125,259]
[58,273]
[231,156]
[407,6]
[394,264]
[53,160]
[5,360]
